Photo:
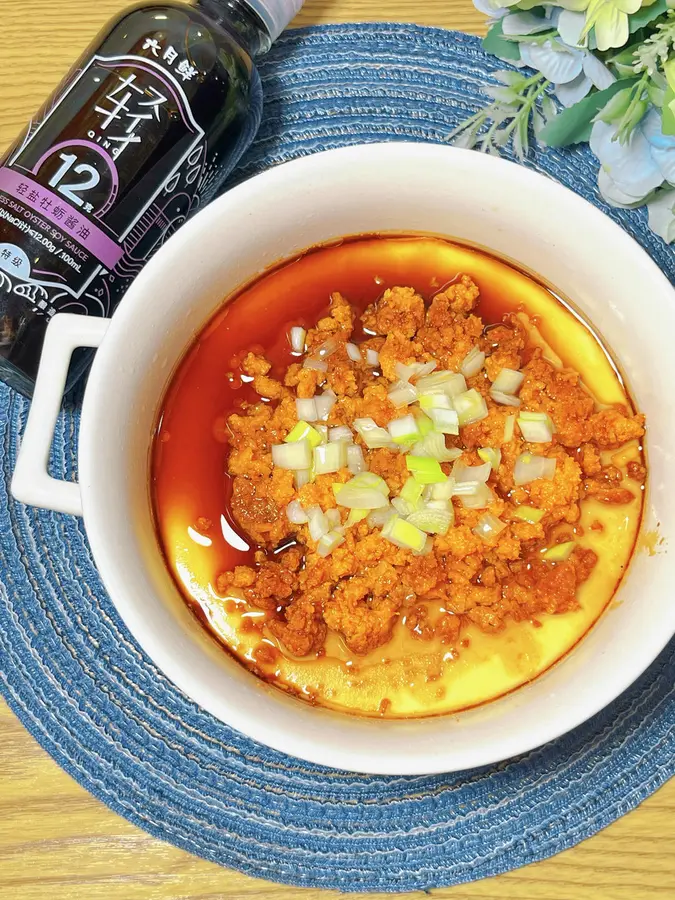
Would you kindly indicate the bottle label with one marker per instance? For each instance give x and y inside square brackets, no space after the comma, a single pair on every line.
[97,186]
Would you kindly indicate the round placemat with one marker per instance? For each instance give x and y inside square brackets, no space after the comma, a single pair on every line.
[83,688]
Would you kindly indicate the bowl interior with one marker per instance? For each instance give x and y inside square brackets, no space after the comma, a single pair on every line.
[376,188]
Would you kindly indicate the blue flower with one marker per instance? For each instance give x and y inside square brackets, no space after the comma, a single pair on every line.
[631,171]
[573,71]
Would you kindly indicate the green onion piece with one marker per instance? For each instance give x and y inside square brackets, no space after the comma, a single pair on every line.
[435,401]
[472,363]
[536,428]
[445,420]
[330,458]
[303,431]
[560,552]
[425,469]
[434,445]
[444,382]
[370,480]
[371,434]
[492,456]
[356,515]
[471,407]
[411,491]
[404,430]
[529,514]
[488,527]
[432,521]
[424,424]
[481,498]
[329,542]
[404,535]
[359,497]
[442,491]
[509,428]
[297,455]
[508,381]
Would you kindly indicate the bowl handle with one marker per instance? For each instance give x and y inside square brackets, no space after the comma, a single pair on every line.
[31,483]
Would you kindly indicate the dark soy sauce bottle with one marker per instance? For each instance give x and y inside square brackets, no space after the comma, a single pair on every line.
[142,133]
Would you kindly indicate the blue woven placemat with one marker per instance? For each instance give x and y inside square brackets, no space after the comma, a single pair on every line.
[83,688]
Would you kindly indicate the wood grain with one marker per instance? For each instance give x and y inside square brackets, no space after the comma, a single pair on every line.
[58,842]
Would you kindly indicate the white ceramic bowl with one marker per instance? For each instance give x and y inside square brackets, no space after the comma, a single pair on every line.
[388,187]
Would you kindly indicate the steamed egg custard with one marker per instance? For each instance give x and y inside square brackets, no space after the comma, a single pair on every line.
[397,476]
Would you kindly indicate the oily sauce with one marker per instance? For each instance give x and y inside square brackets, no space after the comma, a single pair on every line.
[199,538]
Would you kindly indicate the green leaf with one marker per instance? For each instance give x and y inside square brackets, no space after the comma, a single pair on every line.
[573,125]
[495,43]
[646,15]
[615,108]
[668,112]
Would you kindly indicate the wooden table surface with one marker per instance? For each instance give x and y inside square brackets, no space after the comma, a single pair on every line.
[58,842]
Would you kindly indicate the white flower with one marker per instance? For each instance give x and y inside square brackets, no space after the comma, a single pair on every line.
[522,23]
[662,215]
[574,71]
[486,7]
[631,171]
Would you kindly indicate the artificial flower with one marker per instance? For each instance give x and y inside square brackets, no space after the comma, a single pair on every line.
[631,171]
[609,18]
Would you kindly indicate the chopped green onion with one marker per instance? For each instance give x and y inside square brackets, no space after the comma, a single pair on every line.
[472,363]
[356,515]
[334,519]
[372,358]
[292,456]
[433,521]
[424,424]
[379,517]
[404,535]
[353,352]
[370,480]
[479,499]
[509,428]
[504,399]
[444,490]
[470,406]
[425,469]
[444,382]
[329,542]
[415,370]
[330,458]
[359,497]
[318,523]
[371,434]
[529,468]
[462,472]
[323,432]
[529,514]
[355,461]
[508,381]
[559,552]
[411,491]
[433,444]
[305,409]
[404,430]
[445,420]
[340,433]
[536,428]
[296,514]
[302,431]
[427,549]
[488,527]
[465,488]
[318,365]
[302,477]
[490,455]
[324,403]
[435,401]
[402,394]
[402,507]
[297,339]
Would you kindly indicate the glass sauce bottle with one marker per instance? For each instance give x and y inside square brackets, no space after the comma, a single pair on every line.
[142,134]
